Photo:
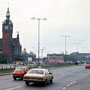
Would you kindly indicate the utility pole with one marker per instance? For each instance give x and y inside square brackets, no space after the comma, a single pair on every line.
[77,46]
[65,42]
[42,52]
[39,19]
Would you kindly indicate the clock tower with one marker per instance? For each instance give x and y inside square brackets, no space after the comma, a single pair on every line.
[7,30]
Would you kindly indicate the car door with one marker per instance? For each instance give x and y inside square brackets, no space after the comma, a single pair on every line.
[50,75]
[47,75]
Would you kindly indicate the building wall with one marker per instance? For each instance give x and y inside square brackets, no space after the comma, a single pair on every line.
[55,58]
[7,44]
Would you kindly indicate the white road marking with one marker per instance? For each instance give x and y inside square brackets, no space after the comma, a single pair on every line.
[62,74]
[64,88]
[74,82]
[69,84]
[14,88]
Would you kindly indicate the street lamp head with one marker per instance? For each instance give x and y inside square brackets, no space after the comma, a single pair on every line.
[65,36]
[38,18]
[44,19]
[33,18]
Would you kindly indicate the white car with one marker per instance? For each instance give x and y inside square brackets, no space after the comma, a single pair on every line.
[38,75]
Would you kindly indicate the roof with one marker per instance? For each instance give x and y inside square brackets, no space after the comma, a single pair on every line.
[39,69]
[55,54]
[77,53]
[15,42]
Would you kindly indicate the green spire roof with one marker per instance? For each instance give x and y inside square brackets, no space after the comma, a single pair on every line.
[8,13]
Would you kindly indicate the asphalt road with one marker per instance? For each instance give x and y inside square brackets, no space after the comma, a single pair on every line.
[70,78]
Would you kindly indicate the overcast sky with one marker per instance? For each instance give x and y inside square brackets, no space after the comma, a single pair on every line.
[64,17]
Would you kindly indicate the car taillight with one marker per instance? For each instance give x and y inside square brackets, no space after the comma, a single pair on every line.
[25,78]
[40,79]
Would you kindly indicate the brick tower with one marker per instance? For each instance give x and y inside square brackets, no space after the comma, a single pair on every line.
[7,30]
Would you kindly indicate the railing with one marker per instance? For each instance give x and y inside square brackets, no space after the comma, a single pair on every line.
[13,66]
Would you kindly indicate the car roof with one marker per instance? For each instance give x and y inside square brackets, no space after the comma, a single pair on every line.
[39,69]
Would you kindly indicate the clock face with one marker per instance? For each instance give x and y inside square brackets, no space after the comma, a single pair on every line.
[6,27]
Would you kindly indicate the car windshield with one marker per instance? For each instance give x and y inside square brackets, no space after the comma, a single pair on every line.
[19,69]
[35,72]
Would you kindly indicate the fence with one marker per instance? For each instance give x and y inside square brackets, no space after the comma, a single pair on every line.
[7,66]
[13,66]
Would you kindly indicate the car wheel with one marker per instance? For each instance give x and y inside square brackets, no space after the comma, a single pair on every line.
[27,83]
[45,82]
[21,78]
[51,80]
[14,78]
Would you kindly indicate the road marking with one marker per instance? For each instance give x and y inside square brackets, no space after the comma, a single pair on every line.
[74,82]
[64,88]
[14,88]
[62,74]
[69,84]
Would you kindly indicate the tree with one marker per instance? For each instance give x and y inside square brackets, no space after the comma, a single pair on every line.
[70,57]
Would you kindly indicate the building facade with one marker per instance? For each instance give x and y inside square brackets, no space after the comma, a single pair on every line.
[9,46]
[55,58]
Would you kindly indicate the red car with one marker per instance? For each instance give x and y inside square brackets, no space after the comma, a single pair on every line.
[87,66]
[19,72]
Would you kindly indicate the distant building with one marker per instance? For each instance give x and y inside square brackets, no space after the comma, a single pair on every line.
[86,55]
[55,58]
[32,57]
[9,47]
[25,55]
[82,57]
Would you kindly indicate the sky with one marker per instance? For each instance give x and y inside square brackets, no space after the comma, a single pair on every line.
[64,18]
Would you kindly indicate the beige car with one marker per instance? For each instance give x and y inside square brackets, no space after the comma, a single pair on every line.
[38,75]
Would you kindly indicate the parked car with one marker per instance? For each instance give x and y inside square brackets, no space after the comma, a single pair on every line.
[87,66]
[19,72]
[38,75]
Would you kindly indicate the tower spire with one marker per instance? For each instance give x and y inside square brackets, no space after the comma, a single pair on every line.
[17,35]
[8,13]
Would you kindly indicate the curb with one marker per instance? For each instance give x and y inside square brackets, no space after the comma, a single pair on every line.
[5,74]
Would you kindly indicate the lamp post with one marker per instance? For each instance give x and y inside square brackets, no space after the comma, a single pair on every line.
[65,59]
[65,42]
[39,19]
[77,46]
[42,52]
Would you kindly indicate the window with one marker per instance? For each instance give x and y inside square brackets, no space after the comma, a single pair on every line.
[19,69]
[46,72]
[35,72]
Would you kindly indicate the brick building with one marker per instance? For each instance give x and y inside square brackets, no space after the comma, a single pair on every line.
[55,58]
[9,46]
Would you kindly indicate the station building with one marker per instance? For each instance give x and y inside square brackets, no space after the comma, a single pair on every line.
[9,47]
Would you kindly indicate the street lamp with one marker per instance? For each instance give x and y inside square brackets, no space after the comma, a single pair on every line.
[77,46]
[42,52]
[65,42]
[39,19]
